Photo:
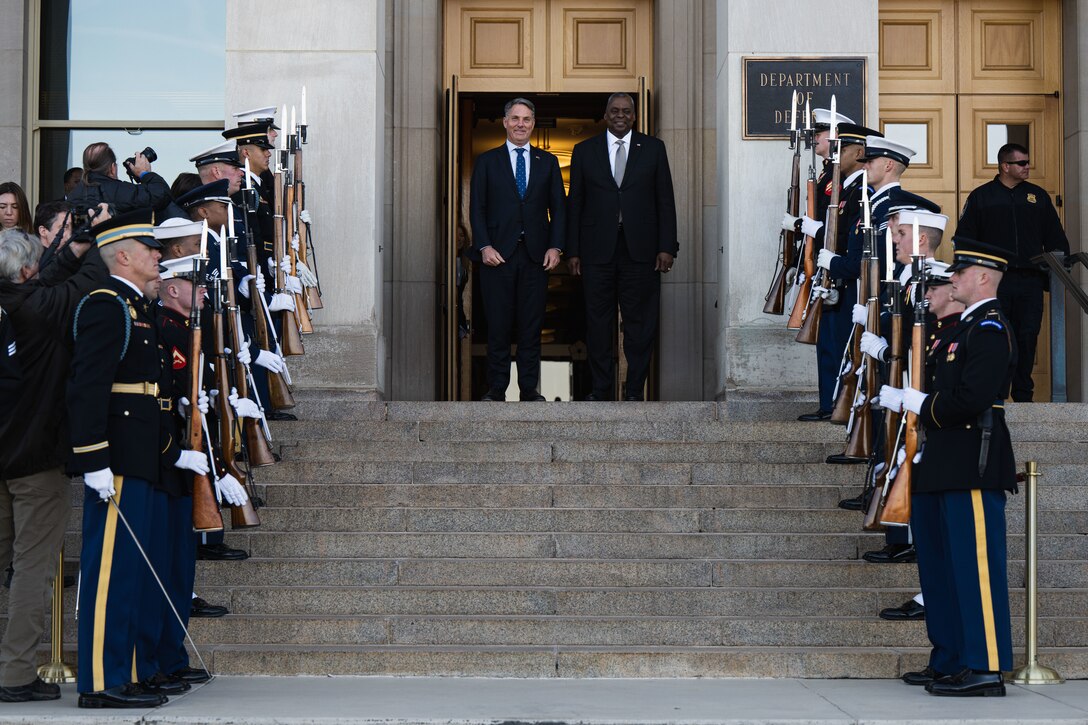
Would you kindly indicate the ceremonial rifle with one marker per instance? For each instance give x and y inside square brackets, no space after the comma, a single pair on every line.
[206,514]
[867,380]
[291,337]
[313,292]
[896,510]
[290,218]
[810,322]
[846,385]
[801,286]
[776,295]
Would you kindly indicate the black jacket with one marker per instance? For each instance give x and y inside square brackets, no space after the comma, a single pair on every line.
[972,371]
[645,197]
[119,430]
[1021,220]
[152,191]
[33,428]
[499,215]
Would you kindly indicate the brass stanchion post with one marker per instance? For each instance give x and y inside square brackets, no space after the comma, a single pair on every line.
[1032,673]
[56,671]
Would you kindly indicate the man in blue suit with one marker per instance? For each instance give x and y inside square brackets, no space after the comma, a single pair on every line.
[518,216]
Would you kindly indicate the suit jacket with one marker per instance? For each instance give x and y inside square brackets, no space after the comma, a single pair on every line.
[499,216]
[645,197]
[972,371]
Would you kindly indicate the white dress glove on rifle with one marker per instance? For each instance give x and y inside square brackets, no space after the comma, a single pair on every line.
[202,404]
[101,482]
[913,399]
[243,407]
[243,354]
[243,286]
[828,294]
[304,216]
[810,227]
[823,259]
[270,361]
[227,488]
[281,301]
[308,278]
[859,315]
[889,398]
[293,284]
[873,345]
[260,283]
[194,461]
[294,241]
[902,456]
[789,222]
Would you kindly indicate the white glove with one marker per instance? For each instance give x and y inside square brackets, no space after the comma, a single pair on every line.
[873,345]
[304,215]
[294,241]
[286,263]
[228,488]
[101,482]
[281,301]
[201,404]
[194,461]
[902,456]
[810,227]
[889,398]
[270,361]
[243,286]
[293,284]
[859,315]
[271,267]
[243,354]
[828,294]
[213,394]
[823,259]
[260,283]
[913,399]
[310,280]
[789,222]
[244,407]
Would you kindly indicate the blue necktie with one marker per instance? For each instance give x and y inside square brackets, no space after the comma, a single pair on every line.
[519,173]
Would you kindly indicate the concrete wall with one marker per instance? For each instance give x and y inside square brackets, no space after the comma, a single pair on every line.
[337,49]
[1075,50]
[12,75]
[754,350]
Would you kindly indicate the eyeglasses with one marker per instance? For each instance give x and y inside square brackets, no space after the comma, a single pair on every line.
[1021,162]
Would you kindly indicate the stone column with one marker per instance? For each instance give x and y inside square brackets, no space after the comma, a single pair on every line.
[12,110]
[755,351]
[337,50]
[1075,46]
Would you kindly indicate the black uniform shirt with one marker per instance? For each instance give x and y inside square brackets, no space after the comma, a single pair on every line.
[1021,220]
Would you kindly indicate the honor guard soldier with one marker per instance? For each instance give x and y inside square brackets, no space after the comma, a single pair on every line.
[117,441]
[220,162]
[959,491]
[255,147]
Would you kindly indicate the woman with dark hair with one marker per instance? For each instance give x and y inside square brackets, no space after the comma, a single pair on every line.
[100,182]
[14,208]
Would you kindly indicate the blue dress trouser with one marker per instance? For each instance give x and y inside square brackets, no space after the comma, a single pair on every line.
[960,537]
[831,341]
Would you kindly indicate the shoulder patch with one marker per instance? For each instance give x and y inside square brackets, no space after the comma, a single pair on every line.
[179,360]
[992,323]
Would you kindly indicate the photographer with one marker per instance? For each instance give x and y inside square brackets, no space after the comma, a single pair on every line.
[35,494]
[53,219]
[100,182]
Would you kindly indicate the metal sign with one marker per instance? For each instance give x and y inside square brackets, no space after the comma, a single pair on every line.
[769,84]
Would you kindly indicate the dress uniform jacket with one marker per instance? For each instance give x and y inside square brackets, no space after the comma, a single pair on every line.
[972,372]
[116,343]
[173,383]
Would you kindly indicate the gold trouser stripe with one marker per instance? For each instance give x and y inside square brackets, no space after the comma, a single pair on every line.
[135,675]
[984,581]
[105,567]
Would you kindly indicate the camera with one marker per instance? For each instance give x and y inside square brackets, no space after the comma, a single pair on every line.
[83,214]
[149,154]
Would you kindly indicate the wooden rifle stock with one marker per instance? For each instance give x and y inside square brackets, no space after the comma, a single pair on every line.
[848,381]
[206,515]
[240,516]
[291,219]
[776,295]
[797,314]
[810,324]
[313,294]
[290,338]
[891,418]
[897,507]
[278,390]
[861,435]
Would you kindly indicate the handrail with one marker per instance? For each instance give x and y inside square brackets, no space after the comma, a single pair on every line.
[1061,277]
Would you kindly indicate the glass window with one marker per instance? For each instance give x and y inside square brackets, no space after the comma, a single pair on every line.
[999,134]
[132,59]
[912,135]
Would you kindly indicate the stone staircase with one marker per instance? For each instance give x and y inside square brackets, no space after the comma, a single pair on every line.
[598,540]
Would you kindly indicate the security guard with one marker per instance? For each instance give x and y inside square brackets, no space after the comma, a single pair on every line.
[958,501]
[117,440]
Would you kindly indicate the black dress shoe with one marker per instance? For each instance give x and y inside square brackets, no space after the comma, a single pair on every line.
[892,554]
[812,417]
[220,552]
[160,684]
[633,398]
[280,415]
[191,675]
[36,690]
[495,396]
[969,683]
[593,398]
[924,677]
[842,458]
[201,608]
[127,695]
[908,611]
[853,504]
[533,398]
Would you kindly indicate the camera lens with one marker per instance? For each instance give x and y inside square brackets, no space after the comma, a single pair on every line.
[150,155]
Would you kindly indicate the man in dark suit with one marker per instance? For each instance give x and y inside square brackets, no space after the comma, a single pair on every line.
[517,214]
[621,236]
